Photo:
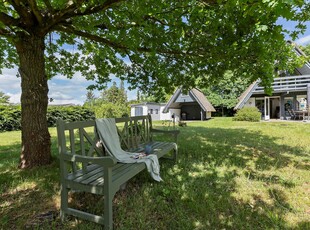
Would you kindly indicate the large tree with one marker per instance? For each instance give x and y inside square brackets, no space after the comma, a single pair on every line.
[149,42]
[225,92]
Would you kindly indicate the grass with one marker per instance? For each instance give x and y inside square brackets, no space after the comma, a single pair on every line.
[229,175]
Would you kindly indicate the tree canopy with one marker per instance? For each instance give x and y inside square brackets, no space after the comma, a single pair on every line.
[153,43]
[150,43]
[226,91]
[306,50]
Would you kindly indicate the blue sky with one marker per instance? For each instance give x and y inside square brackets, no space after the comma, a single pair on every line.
[65,91]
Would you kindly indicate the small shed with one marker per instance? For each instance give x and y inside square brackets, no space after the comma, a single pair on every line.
[193,105]
[152,108]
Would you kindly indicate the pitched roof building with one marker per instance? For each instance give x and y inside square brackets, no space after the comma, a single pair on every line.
[291,92]
[192,105]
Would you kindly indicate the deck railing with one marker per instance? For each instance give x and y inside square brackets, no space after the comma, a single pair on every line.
[291,83]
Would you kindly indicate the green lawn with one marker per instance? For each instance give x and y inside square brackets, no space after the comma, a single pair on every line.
[229,175]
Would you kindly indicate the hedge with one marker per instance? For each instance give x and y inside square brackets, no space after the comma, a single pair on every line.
[248,114]
[10,116]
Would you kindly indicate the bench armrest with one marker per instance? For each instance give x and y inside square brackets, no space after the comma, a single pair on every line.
[175,133]
[106,161]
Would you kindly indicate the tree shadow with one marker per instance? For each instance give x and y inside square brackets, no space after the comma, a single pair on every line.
[215,158]
[199,192]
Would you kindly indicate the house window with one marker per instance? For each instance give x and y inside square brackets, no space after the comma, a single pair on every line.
[150,111]
[156,111]
[138,111]
[301,102]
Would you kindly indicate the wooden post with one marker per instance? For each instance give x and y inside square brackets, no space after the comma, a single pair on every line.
[282,107]
[308,101]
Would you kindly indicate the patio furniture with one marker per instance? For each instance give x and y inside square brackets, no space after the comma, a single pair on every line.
[86,164]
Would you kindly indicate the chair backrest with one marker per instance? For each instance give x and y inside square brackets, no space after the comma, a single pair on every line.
[81,138]
[291,112]
[134,131]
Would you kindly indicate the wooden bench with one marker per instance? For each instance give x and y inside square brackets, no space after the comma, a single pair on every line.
[85,167]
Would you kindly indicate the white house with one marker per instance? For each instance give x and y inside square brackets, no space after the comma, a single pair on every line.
[155,109]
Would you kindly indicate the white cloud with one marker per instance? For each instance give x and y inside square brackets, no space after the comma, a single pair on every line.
[14,98]
[303,40]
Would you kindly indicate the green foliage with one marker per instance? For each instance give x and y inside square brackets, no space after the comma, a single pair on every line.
[225,91]
[248,114]
[156,43]
[68,113]
[108,109]
[10,116]
[115,95]
[159,96]
[306,50]
[4,98]
[112,103]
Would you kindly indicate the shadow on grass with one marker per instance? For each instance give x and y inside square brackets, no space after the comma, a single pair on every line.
[27,196]
[199,192]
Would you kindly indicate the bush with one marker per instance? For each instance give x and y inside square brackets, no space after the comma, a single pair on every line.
[10,116]
[68,113]
[248,114]
[111,110]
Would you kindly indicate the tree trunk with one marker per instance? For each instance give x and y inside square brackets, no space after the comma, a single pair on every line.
[36,141]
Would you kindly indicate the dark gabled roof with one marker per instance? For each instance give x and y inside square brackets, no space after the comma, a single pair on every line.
[202,100]
[196,94]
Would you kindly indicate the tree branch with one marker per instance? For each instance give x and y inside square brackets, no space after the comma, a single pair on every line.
[72,10]
[72,30]
[8,20]
[115,45]
[6,33]
[21,11]
[36,11]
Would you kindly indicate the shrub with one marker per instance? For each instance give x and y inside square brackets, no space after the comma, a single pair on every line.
[111,110]
[248,114]
[68,113]
[10,116]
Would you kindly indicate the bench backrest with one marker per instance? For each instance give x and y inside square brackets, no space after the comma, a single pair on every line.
[80,137]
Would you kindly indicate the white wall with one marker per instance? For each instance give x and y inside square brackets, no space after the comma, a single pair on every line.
[250,102]
[154,110]
[157,116]
[168,116]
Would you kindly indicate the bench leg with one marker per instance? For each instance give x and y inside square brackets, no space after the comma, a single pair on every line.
[175,155]
[64,202]
[108,199]
[108,213]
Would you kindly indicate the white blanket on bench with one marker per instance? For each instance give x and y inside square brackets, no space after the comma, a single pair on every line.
[107,132]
